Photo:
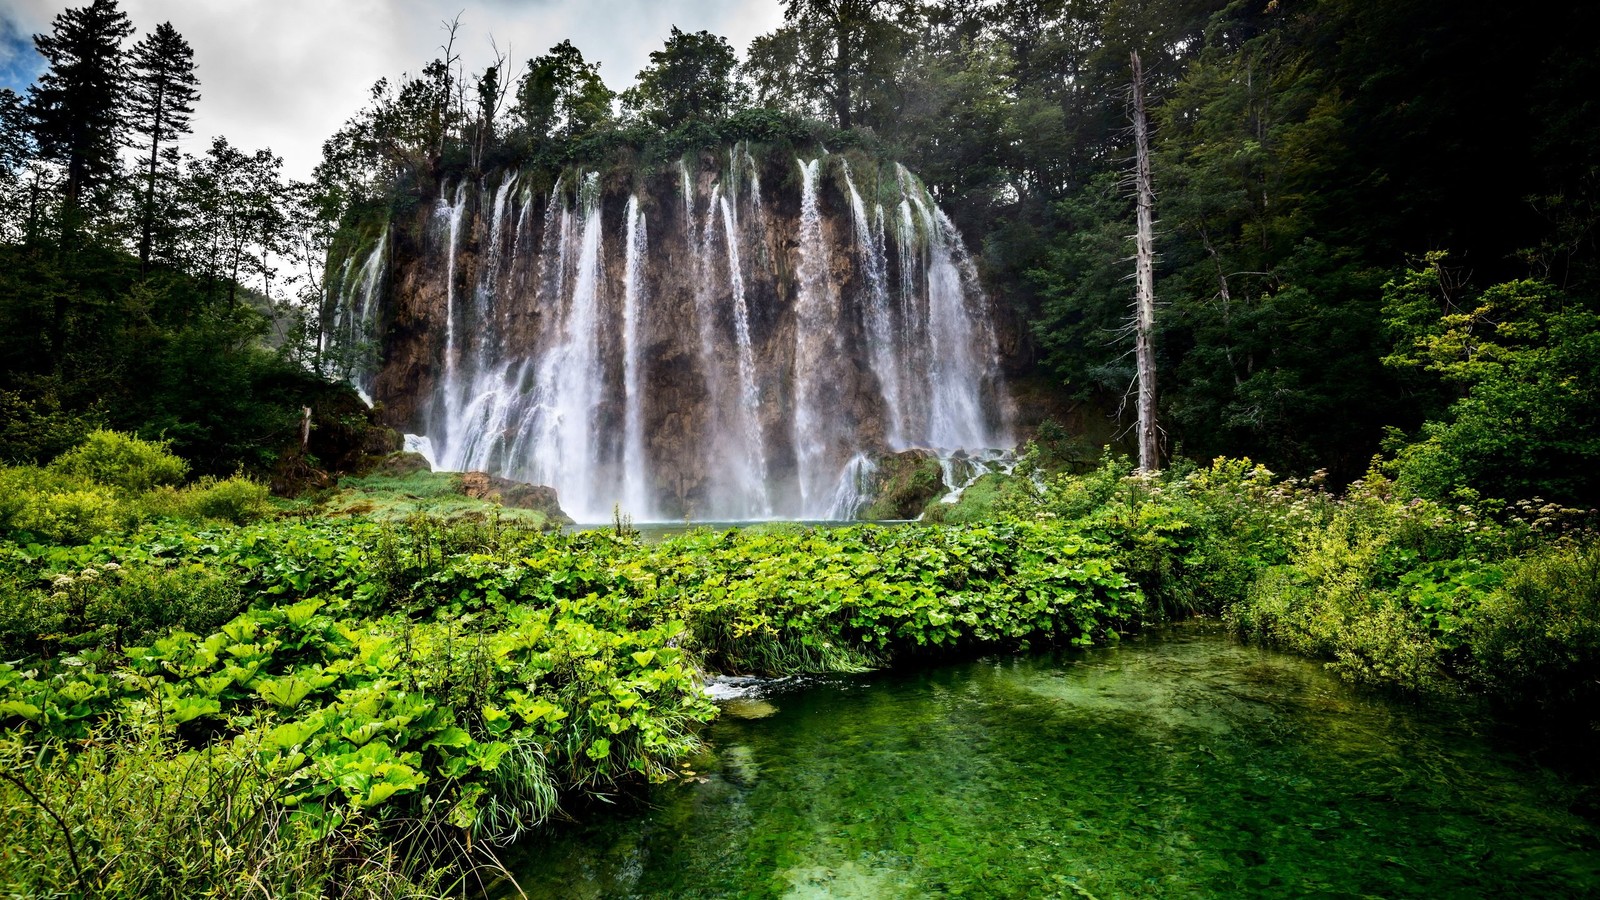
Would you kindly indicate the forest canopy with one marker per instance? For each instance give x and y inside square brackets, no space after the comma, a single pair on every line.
[1336,181]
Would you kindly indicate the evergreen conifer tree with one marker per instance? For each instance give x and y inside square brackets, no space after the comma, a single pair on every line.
[76,106]
[160,100]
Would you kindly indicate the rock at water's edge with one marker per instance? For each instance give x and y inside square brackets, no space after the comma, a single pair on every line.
[515,494]
[903,484]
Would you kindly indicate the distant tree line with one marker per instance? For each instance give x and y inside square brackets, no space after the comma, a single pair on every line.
[144,287]
[1307,154]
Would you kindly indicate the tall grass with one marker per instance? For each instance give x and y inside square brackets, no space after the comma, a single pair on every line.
[136,816]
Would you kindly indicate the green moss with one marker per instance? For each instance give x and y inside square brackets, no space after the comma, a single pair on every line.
[383,497]
[980,502]
[437,494]
[903,485]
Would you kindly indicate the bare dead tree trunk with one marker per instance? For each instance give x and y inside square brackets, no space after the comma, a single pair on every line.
[1145,281]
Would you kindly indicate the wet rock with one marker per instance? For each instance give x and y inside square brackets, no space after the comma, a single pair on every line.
[748,708]
[903,485]
[378,440]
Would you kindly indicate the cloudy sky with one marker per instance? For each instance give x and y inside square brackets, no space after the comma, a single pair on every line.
[286,73]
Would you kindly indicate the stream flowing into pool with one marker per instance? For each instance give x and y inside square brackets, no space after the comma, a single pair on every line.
[1176,764]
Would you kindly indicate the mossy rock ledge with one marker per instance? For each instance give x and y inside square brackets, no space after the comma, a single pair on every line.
[903,484]
[514,494]
[401,464]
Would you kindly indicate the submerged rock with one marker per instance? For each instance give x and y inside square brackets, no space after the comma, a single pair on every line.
[748,708]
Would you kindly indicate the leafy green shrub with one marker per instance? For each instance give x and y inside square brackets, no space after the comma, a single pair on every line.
[111,483]
[121,461]
[140,603]
[1520,356]
[111,605]
[234,500]
[1538,637]
[47,510]
[1194,540]
[133,815]
[36,428]
[1387,590]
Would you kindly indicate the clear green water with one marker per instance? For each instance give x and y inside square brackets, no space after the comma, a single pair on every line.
[1179,764]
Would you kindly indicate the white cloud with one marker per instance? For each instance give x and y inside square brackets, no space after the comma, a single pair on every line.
[286,73]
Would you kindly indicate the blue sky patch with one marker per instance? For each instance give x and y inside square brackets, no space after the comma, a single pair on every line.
[20,64]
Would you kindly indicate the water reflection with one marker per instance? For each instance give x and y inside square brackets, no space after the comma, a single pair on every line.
[1180,764]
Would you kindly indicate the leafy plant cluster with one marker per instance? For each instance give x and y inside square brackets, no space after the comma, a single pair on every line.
[449,683]
[1392,588]
[388,692]
[110,483]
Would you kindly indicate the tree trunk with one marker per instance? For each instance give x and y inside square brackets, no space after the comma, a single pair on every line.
[1145,282]
[148,225]
[841,77]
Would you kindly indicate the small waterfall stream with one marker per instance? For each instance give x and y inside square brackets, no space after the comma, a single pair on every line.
[635,496]
[882,346]
[755,487]
[816,416]
[453,214]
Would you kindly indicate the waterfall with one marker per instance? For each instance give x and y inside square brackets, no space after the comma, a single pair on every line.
[755,357]
[705,315]
[755,177]
[961,470]
[488,275]
[952,355]
[519,238]
[816,331]
[452,250]
[882,349]
[854,489]
[755,487]
[345,343]
[636,490]
[569,388]
[368,279]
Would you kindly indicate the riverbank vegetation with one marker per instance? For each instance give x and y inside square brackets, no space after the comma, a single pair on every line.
[388,700]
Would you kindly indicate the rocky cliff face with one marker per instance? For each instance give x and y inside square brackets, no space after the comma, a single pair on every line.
[722,338]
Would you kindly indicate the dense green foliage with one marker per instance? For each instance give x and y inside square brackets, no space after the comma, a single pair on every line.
[465,677]
[1393,589]
[388,691]
[149,298]
[110,483]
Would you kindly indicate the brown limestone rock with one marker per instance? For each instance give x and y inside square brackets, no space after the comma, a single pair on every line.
[515,494]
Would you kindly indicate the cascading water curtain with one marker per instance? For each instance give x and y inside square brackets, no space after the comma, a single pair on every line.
[806,341]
